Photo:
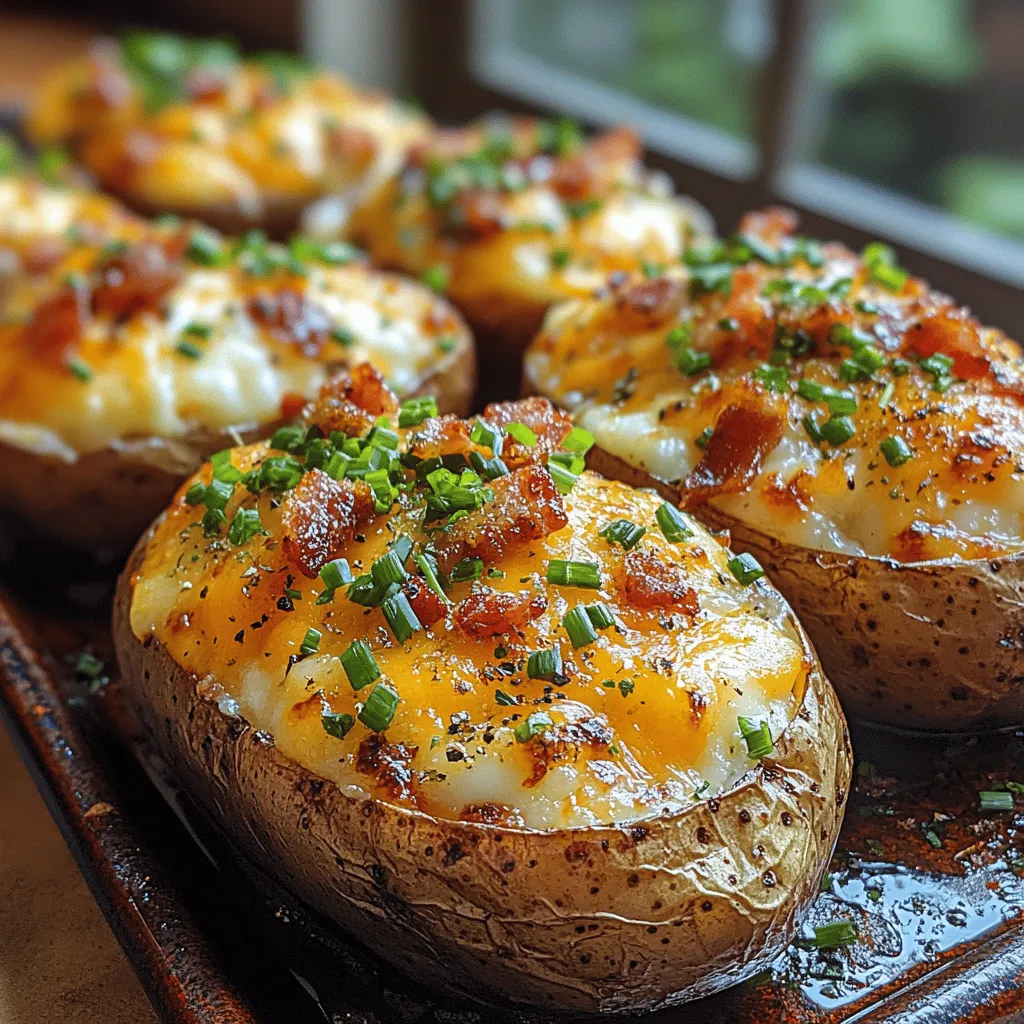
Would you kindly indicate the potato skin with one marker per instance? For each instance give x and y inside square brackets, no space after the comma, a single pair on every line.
[606,919]
[933,645]
[103,501]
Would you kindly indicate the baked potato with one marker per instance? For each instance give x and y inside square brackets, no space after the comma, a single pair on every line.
[532,735]
[860,434]
[170,124]
[143,356]
[510,215]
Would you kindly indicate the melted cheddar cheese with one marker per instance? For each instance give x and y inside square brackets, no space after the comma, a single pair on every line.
[137,340]
[187,125]
[642,720]
[705,378]
[511,216]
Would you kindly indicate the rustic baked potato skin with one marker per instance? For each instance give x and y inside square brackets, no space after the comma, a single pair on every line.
[189,126]
[543,215]
[921,627]
[605,918]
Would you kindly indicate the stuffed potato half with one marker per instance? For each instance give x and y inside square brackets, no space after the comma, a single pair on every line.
[857,432]
[142,350]
[521,755]
[189,126]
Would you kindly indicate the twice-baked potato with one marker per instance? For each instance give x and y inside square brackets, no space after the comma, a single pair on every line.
[143,356]
[856,431]
[531,735]
[510,215]
[170,124]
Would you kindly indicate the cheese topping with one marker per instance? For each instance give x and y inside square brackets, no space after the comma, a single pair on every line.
[825,399]
[138,342]
[645,716]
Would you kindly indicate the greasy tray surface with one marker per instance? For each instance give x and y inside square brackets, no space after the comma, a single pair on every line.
[935,886]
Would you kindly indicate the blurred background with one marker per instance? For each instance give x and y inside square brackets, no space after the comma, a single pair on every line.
[901,119]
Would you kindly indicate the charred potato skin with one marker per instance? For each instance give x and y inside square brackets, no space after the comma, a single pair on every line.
[608,919]
[103,501]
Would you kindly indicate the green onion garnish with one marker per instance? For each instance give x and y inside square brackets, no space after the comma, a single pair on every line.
[579,441]
[692,361]
[880,261]
[810,389]
[896,451]
[288,438]
[838,430]
[436,277]
[388,569]
[546,664]
[336,573]
[223,469]
[674,527]
[703,439]
[680,336]
[522,433]
[535,723]
[995,800]
[579,627]
[488,435]
[564,478]
[196,494]
[812,428]
[400,616]
[358,662]
[81,370]
[204,247]
[600,615]
[757,737]
[188,350]
[466,570]
[899,367]
[573,574]
[415,410]
[840,403]
[379,710]
[746,568]
[504,699]
[198,330]
[834,934]
[337,724]
[428,566]
[774,378]
[937,364]
[244,526]
[489,469]
[886,396]
[624,533]
[310,642]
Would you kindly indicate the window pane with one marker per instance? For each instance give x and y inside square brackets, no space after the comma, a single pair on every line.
[694,57]
[926,98]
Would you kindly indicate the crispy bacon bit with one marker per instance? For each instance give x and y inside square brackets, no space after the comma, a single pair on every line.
[578,730]
[491,612]
[442,435]
[650,583]
[44,254]
[492,814]
[771,225]
[596,165]
[743,435]
[135,282]
[351,402]
[57,325]
[291,405]
[428,607]
[388,765]
[955,333]
[551,426]
[351,148]
[647,304]
[526,507]
[294,318]
[475,212]
[320,516]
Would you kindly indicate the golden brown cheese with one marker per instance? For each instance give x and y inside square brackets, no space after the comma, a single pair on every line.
[186,125]
[721,377]
[510,216]
[641,719]
[182,330]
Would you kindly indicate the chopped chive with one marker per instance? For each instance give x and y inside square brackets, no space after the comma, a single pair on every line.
[336,573]
[810,389]
[188,350]
[88,665]
[379,710]
[673,524]
[488,435]
[388,569]
[435,277]
[196,494]
[400,616]
[623,532]
[838,430]
[703,439]
[468,569]
[244,526]
[536,723]
[774,378]
[337,724]
[343,336]
[900,367]
[680,336]
[81,370]
[579,627]
[995,800]
[428,566]
[560,258]
[522,433]
[546,664]
[746,568]
[886,396]
[204,247]
[288,438]
[213,519]
[573,574]
[692,361]
[414,411]
[198,330]
[578,441]
[896,451]
[310,642]
[358,662]
[504,699]
[489,469]
[937,364]
[757,737]
[812,428]
[600,615]
[834,934]
[564,478]
[626,687]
